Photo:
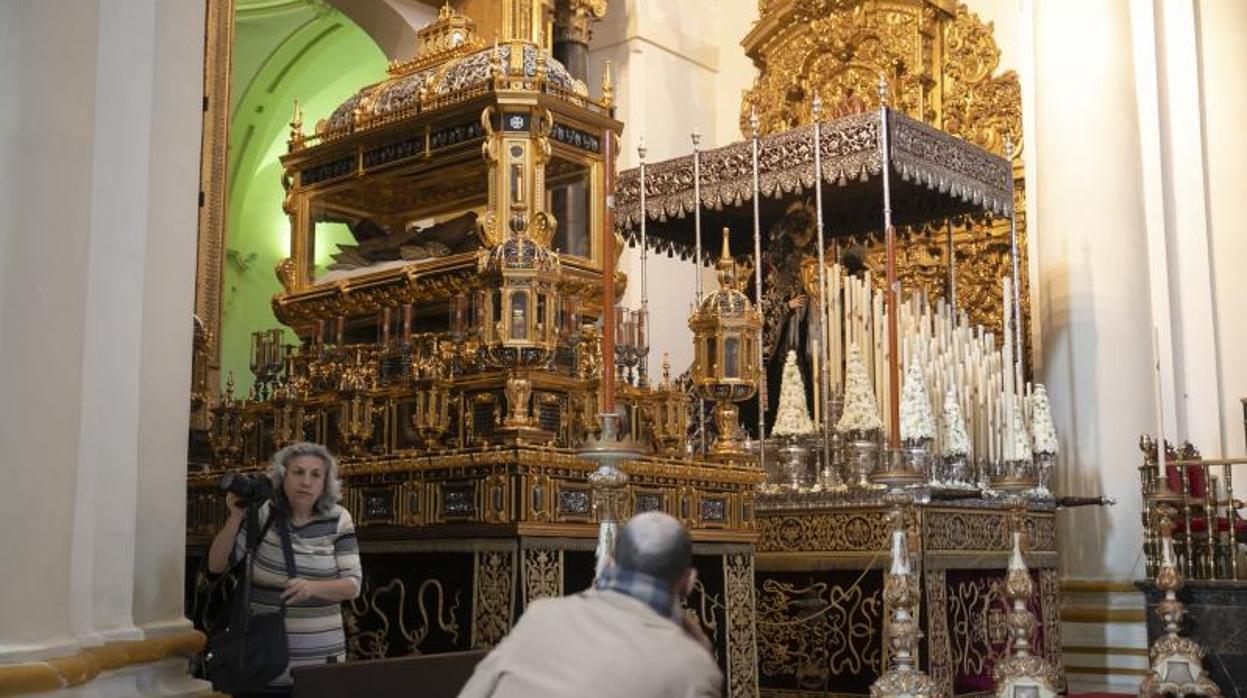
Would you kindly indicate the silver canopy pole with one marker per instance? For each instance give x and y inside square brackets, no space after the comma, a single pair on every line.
[757,286]
[697,216]
[701,404]
[643,325]
[1013,260]
[824,375]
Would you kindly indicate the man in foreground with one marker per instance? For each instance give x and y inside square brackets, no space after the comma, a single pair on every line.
[626,637]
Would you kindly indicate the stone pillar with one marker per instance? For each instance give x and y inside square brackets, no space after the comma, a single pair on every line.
[1223,97]
[1088,211]
[99,181]
[1093,272]
[573,20]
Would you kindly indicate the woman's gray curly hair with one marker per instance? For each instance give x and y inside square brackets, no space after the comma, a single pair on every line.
[328,500]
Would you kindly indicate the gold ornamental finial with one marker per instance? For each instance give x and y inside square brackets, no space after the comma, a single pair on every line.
[666,370]
[726,266]
[296,128]
[608,87]
[495,61]
[541,67]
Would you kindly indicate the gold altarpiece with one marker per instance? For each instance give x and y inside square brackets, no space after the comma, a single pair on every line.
[941,64]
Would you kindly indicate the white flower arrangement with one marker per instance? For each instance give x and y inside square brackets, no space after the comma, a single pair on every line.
[917,422]
[792,418]
[956,443]
[861,411]
[1021,435]
[1043,430]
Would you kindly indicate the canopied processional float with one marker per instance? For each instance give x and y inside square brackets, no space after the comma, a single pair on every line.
[465,354]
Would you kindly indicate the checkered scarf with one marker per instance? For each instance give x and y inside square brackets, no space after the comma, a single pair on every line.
[645,588]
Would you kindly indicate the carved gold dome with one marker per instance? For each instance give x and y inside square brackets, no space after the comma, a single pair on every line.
[406,93]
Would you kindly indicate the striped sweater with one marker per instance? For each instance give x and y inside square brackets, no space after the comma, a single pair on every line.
[324,548]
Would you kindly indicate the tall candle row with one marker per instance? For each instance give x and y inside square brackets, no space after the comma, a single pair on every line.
[983,374]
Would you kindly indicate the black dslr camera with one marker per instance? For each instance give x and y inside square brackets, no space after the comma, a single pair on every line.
[252,490]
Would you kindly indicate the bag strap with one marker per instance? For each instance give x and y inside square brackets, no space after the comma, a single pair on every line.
[287,549]
[215,582]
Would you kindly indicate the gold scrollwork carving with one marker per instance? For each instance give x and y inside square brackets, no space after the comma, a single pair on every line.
[1050,604]
[742,653]
[865,531]
[210,248]
[543,573]
[940,663]
[972,530]
[815,632]
[375,605]
[700,607]
[978,612]
[491,612]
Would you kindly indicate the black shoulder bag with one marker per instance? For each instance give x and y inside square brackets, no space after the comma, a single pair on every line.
[248,652]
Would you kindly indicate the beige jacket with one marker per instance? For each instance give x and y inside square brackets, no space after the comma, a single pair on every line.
[600,644]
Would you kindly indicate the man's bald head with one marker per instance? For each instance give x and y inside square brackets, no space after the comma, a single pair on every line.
[656,544]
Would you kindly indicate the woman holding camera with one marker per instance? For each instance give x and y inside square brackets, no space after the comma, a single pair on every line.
[305,496]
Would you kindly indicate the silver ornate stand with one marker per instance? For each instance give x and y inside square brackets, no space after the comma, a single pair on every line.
[1045,463]
[609,451]
[901,593]
[1177,663]
[956,474]
[795,457]
[1022,674]
[862,459]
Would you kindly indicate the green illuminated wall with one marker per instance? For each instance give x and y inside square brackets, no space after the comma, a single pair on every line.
[322,59]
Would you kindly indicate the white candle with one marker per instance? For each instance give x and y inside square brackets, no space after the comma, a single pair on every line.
[814,376]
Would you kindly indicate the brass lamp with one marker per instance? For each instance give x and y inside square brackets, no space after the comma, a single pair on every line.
[518,309]
[725,336]
[670,414]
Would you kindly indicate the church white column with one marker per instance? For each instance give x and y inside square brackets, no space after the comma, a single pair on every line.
[1222,55]
[45,174]
[1094,307]
[102,556]
[1093,272]
[168,291]
[100,185]
[1175,178]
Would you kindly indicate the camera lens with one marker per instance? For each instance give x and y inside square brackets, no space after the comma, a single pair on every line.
[226,483]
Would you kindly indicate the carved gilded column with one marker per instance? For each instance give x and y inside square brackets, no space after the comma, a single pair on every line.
[542,573]
[210,253]
[493,596]
[742,642]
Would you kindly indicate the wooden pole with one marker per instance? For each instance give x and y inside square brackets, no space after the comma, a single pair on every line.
[608,273]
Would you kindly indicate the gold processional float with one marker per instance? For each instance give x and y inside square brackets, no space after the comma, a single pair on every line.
[494,416]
